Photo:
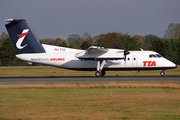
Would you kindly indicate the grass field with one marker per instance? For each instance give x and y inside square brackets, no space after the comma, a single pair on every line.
[131,103]
[52,71]
[88,101]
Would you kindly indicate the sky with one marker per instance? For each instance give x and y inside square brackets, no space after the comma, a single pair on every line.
[60,18]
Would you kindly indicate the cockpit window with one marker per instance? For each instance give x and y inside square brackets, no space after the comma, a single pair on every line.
[152,56]
[155,56]
[158,55]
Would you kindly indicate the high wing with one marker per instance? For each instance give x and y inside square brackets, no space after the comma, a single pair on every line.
[100,53]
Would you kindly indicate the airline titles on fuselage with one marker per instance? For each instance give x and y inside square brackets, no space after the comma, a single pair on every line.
[48,59]
[149,63]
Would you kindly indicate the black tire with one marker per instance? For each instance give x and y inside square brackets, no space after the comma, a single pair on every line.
[162,73]
[98,74]
[103,73]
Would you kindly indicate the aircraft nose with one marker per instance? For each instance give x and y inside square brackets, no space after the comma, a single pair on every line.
[171,64]
[174,65]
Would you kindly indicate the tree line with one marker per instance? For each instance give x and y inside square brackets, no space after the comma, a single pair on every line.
[168,46]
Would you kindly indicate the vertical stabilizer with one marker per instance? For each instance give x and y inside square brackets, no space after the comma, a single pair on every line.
[23,38]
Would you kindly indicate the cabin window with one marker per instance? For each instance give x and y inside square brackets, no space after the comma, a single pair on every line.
[128,59]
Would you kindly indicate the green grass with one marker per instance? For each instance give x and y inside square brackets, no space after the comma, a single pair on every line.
[52,71]
[90,104]
[99,101]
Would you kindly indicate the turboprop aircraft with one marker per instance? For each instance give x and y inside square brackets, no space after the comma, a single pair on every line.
[99,59]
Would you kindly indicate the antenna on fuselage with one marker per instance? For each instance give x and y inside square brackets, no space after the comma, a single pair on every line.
[141,49]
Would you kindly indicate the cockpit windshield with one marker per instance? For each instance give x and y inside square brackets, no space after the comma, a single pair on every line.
[155,56]
[158,55]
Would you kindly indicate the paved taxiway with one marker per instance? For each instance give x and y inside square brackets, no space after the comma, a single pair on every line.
[54,80]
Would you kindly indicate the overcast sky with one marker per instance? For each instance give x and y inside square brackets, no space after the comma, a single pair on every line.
[54,18]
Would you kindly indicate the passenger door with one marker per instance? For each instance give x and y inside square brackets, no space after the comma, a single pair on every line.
[134,61]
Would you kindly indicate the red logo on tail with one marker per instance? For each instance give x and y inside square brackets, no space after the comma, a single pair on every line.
[23,34]
[21,38]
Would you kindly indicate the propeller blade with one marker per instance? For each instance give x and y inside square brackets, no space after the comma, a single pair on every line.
[126,52]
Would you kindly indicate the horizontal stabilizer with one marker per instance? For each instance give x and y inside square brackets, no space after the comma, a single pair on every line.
[13,20]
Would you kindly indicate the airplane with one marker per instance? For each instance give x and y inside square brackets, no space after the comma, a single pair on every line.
[95,58]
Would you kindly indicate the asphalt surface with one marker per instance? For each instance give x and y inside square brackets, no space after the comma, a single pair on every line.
[54,80]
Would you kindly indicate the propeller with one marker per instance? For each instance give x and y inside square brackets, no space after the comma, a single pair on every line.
[126,52]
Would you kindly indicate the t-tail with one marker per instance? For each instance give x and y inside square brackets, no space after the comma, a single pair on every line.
[23,38]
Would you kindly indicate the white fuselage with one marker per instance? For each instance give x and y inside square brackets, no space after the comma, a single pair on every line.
[66,58]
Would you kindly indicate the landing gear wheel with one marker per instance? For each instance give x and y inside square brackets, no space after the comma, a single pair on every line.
[162,73]
[98,74]
[103,73]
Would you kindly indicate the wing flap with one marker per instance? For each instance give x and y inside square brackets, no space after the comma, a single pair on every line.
[91,53]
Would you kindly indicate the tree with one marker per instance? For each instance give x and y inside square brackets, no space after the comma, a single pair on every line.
[118,40]
[139,39]
[86,36]
[72,39]
[167,48]
[173,31]
[177,43]
[170,50]
[49,41]
[86,45]
[59,41]
[174,51]
[147,41]
[78,43]
[158,46]
[64,44]
[111,40]
[132,43]
[7,52]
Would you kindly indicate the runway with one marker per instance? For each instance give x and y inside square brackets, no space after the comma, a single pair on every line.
[88,79]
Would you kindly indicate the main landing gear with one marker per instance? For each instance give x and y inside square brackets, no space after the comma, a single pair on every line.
[100,73]
[162,73]
[100,65]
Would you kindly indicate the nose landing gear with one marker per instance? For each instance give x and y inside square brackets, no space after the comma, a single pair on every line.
[162,73]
